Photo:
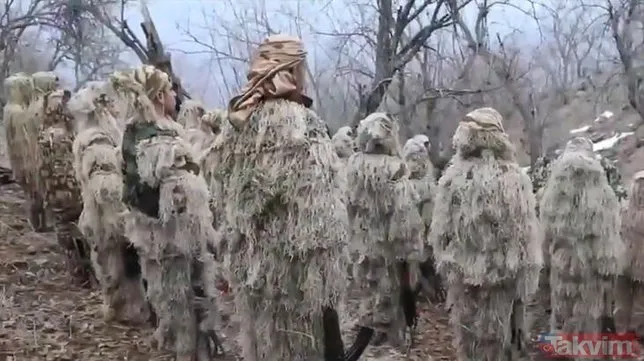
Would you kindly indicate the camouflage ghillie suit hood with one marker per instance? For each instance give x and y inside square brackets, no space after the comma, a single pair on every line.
[272,173]
[485,237]
[580,214]
[18,89]
[169,224]
[343,142]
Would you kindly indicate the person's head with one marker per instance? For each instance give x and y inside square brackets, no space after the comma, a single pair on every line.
[278,71]
[159,89]
[482,130]
[151,86]
[45,81]
[379,134]
[579,144]
[18,88]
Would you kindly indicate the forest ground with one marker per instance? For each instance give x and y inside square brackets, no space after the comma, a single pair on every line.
[44,317]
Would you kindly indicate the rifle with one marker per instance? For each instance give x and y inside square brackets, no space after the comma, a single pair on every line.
[408,300]
[333,345]
[207,340]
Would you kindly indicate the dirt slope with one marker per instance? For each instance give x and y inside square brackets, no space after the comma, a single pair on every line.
[44,317]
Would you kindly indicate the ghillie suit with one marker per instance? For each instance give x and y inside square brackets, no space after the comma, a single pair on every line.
[169,222]
[62,191]
[629,313]
[580,214]
[44,83]
[98,168]
[345,146]
[421,176]
[273,173]
[344,143]
[614,177]
[196,134]
[539,174]
[486,239]
[386,229]
[190,114]
[212,121]
[18,89]
[94,105]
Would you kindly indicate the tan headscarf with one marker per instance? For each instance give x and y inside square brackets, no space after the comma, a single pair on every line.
[276,71]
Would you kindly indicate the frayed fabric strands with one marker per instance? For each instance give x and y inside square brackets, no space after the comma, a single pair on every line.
[485,236]
[580,214]
[283,250]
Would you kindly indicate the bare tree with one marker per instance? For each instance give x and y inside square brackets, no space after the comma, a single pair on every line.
[15,20]
[623,15]
[151,52]
[571,34]
[507,68]
[83,42]
[393,48]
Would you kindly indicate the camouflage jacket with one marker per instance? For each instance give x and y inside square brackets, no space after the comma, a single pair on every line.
[55,140]
[137,194]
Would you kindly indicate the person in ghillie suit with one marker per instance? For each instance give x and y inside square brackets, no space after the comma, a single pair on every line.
[580,214]
[199,135]
[423,181]
[273,175]
[539,173]
[44,83]
[386,229]
[629,298]
[345,146]
[486,239]
[18,89]
[169,221]
[344,143]
[62,191]
[98,168]
[614,177]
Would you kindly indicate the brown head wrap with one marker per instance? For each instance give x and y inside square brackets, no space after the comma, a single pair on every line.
[276,71]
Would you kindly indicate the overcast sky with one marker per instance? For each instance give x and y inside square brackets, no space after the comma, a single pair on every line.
[172,16]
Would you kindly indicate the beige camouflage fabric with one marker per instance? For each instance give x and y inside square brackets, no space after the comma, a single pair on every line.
[62,190]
